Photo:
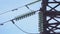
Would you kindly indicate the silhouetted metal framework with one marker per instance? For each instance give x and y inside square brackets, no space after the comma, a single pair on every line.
[50,28]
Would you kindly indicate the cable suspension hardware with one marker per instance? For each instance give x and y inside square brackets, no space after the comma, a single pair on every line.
[25,15]
[40,22]
[21,17]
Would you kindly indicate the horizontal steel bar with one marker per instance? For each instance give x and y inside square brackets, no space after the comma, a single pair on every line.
[53,2]
[52,13]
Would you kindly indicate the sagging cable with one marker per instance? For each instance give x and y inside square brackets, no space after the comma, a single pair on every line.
[23,30]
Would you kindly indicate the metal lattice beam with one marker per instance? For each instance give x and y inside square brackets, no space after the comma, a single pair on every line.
[52,13]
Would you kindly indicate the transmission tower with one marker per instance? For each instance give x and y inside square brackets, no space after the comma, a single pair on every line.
[45,26]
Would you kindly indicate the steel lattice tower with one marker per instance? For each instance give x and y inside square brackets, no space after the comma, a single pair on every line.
[50,28]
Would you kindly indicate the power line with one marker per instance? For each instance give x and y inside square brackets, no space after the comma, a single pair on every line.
[22,29]
[18,27]
[25,15]
[19,7]
[21,17]
[5,22]
[14,18]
